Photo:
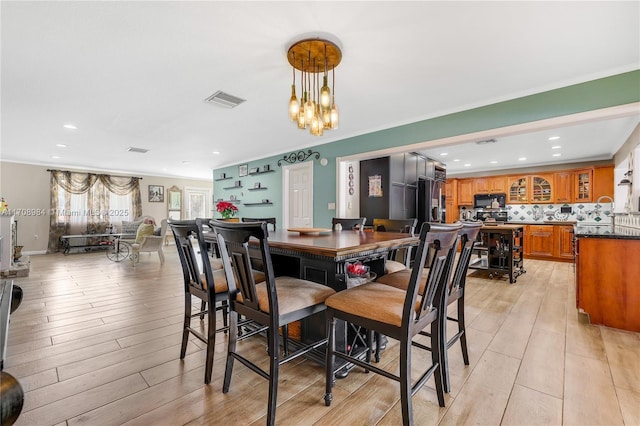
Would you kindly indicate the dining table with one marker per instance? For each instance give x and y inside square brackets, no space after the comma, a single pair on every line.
[321,255]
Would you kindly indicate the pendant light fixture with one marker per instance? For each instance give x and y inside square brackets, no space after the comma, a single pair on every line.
[316,108]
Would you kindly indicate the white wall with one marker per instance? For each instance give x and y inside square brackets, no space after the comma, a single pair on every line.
[26,187]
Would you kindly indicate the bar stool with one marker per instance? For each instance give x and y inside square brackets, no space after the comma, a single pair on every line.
[400,314]
[274,303]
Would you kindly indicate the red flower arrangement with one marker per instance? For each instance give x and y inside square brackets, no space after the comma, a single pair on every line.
[226,209]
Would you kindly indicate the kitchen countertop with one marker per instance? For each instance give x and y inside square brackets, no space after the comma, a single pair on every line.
[606,231]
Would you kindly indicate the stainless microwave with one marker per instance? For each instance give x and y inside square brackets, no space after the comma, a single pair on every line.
[485,201]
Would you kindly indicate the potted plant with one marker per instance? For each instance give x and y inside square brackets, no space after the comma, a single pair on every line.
[226,209]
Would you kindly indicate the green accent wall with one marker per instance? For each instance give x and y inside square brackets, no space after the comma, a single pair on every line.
[606,92]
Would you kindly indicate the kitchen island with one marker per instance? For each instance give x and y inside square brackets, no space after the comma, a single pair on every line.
[500,249]
[607,275]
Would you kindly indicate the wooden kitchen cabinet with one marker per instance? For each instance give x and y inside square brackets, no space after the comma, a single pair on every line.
[603,183]
[490,185]
[451,197]
[564,241]
[583,189]
[539,241]
[518,190]
[465,192]
[563,183]
[541,189]
[607,282]
[533,189]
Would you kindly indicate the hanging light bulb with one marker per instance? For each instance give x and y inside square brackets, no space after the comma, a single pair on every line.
[325,93]
[309,107]
[302,122]
[294,108]
[334,108]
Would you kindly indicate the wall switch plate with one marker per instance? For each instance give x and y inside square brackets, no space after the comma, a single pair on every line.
[332,206]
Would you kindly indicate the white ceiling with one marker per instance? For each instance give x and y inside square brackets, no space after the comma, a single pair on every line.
[136,74]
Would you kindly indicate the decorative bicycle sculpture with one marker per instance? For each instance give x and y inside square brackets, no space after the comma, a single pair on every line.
[118,250]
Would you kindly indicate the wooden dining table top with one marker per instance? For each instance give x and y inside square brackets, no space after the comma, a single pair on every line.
[338,243]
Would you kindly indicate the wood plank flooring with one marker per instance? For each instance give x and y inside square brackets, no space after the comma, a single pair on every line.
[97,343]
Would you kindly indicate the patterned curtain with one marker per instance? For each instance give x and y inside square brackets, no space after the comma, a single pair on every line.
[96,211]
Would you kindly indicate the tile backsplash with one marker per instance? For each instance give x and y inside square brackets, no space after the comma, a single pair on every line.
[580,212]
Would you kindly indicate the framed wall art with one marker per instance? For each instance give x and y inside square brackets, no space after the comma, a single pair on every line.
[243,170]
[156,194]
[375,186]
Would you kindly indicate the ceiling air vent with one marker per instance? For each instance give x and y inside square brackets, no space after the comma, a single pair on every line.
[140,150]
[224,99]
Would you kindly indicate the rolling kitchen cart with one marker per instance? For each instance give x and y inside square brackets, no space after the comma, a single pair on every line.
[499,251]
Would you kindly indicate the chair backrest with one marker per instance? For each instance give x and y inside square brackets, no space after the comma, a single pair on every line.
[406,226]
[348,223]
[439,242]
[237,260]
[468,235]
[196,267]
[271,220]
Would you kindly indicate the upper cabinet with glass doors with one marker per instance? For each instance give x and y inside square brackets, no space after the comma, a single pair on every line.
[530,189]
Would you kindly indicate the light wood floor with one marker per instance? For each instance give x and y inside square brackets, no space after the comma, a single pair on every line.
[97,342]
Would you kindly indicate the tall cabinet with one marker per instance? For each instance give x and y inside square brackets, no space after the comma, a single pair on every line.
[397,176]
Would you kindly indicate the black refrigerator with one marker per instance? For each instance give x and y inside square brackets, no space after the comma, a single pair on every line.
[431,201]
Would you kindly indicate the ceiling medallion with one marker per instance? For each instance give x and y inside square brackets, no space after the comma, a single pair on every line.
[316,108]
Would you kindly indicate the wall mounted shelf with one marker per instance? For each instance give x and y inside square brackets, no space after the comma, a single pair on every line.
[257,204]
[224,178]
[259,172]
[258,189]
[233,187]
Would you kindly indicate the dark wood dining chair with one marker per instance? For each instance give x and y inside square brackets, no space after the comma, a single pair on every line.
[201,281]
[274,302]
[270,220]
[455,293]
[348,223]
[407,226]
[400,315]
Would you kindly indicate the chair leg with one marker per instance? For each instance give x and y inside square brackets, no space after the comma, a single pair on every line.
[211,344]
[186,325]
[285,339]
[438,355]
[463,330]
[405,381]
[274,366]
[203,307]
[330,360]
[225,314]
[231,349]
[161,256]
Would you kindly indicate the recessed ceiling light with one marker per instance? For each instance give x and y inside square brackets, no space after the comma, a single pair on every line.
[557,154]
[70,126]
[444,154]
[556,147]
[216,152]
[554,138]
[467,165]
[55,157]
[493,162]
[456,160]
[522,159]
[61,145]
[186,162]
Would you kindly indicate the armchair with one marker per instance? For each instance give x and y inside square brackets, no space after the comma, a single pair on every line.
[150,244]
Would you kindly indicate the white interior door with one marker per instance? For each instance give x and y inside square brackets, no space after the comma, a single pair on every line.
[297,208]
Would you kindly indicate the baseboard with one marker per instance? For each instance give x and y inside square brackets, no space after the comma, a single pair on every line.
[30,253]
